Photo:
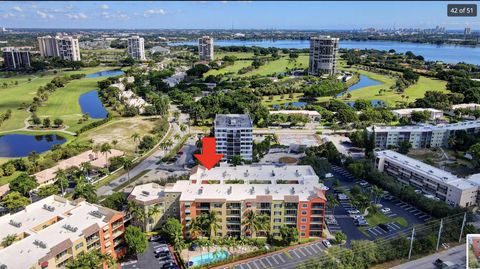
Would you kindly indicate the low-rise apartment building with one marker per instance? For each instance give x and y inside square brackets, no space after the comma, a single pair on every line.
[429,179]
[233,133]
[420,136]
[407,112]
[288,195]
[151,195]
[54,230]
[311,114]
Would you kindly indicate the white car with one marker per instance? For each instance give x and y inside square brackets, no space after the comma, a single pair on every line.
[326,243]
[385,210]
[363,183]
[353,211]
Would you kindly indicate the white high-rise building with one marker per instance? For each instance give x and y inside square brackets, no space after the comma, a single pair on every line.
[467,31]
[136,48]
[65,47]
[323,55]
[234,135]
[205,48]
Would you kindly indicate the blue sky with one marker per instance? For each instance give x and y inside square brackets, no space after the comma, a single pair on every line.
[224,15]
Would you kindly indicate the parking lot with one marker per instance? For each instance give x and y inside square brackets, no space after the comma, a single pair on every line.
[288,259]
[342,221]
[146,260]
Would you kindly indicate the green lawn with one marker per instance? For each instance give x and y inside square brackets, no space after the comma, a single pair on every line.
[230,69]
[278,100]
[14,95]
[280,65]
[239,55]
[63,103]
[5,180]
[379,218]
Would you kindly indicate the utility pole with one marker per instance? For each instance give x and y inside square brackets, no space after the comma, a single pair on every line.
[439,233]
[411,243]
[463,226]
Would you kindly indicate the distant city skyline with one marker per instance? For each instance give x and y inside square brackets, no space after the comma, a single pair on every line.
[228,15]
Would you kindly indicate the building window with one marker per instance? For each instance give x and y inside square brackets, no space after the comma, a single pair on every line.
[304,212]
[276,213]
[302,234]
[303,227]
[277,220]
[217,205]
[78,246]
[277,206]
[304,219]
[304,205]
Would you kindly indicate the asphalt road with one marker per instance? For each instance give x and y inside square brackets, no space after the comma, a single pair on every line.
[457,255]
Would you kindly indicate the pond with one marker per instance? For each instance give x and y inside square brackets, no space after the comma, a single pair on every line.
[375,103]
[106,73]
[91,104]
[294,104]
[363,82]
[20,145]
[207,258]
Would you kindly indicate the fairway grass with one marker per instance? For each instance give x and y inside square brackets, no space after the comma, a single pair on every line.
[237,65]
[14,95]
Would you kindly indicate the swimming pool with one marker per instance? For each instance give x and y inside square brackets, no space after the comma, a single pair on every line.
[207,258]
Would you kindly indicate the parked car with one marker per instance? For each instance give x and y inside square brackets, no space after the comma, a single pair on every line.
[363,183]
[384,227]
[360,222]
[326,243]
[418,191]
[169,265]
[353,211]
[155,238]
[385,210]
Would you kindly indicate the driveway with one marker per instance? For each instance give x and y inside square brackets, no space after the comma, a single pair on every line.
[146,260]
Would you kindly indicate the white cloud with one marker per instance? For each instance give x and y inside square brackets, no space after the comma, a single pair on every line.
[34,6]
[8,15]
[44,15]
[104,6]
[77,16]
[118,16]
[150,12]
[69,7]
[17,8]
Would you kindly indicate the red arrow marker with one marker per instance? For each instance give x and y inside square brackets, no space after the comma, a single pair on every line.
[209,157]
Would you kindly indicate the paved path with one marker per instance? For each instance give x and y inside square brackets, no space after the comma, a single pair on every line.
[148,163]
[456,255]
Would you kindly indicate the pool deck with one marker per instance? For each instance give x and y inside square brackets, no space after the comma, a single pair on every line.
[188,254]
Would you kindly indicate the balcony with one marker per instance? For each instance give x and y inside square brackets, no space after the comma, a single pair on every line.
[63,257]
[117,233]
[93,239]
[117,224]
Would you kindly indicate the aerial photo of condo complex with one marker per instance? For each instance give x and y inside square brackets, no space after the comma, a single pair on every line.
[239,135]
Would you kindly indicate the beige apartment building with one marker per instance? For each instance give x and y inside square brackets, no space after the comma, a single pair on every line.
[54,230]
[288,195]
[430,180]
[205,48]
[64,47]
[136,48]
[323,55]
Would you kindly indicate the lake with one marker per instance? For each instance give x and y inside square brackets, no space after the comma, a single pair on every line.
[106,73]
[90,103]
[20,145]
[364,81]
[432,52]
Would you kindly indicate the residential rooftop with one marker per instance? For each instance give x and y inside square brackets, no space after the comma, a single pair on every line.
[233,121]
[71,220]
[251,173]
[147,194]
[407,111]
[469,106]
[430,171]
[240,192]
[303,112]
[427,127]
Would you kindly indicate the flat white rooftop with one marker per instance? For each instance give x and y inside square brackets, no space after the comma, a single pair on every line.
[24,253]
[240,192]
[255,172]
[431,172]
[303,112]
[407,111]
[426,127]
[469,106]
[147,193]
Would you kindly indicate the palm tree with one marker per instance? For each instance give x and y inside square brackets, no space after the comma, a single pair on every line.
[96,149]
[33,157]
[211,224]
[127,165]
[332,203]
[254,222]
[61,179]
[196,226]
[86,167]
[136,139]
[137,213]
[183,127]
[176,136]
[378,193]
[105,149]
